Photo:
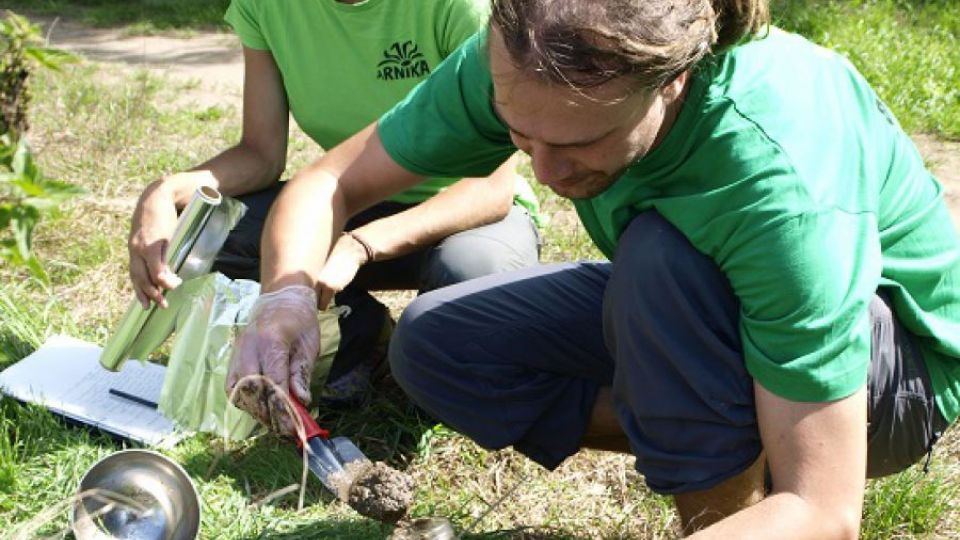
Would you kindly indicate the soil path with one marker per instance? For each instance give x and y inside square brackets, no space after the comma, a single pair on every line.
[215,61]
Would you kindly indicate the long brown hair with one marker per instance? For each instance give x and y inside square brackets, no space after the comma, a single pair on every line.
[585,43]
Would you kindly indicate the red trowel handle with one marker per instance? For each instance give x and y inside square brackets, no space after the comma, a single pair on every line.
[310,427]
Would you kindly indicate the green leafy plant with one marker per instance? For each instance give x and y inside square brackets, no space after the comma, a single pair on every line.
[24,192]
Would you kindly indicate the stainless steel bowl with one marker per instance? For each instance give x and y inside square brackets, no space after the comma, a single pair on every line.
[136,495]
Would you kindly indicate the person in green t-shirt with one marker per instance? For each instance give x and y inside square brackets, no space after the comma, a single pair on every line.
[337,65]
[781,309]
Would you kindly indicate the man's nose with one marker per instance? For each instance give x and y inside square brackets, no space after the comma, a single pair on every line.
[549,165]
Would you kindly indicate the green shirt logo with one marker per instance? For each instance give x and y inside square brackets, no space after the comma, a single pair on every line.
[402,61]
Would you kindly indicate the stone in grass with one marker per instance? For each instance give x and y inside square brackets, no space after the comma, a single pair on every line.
[423,529]
[380,492]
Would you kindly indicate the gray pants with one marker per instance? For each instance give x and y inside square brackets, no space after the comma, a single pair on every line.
[517,359]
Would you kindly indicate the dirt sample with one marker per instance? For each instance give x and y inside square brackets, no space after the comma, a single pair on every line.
[380,492]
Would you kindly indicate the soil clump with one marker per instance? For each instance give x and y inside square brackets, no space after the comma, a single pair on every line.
[379,492]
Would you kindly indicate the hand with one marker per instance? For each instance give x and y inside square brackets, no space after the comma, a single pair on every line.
[275,355]
[346,258]
[154,221]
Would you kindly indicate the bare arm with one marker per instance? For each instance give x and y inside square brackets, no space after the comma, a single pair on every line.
[255,162]
[469,203]
[817,456]
[260,157]
[309,214]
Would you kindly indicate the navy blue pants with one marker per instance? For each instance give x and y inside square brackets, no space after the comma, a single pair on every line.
[517,359]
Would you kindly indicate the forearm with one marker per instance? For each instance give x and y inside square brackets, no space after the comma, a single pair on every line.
[470,203]
[300,229]
[238,170]
[785,516]
[817,458]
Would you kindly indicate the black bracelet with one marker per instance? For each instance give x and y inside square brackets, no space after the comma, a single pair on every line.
[366,247]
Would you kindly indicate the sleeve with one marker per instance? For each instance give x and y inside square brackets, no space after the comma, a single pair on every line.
[461,19]
[805,281]
[242,16]
[446,126]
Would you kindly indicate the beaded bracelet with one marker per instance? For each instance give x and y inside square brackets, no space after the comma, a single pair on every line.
[366,247]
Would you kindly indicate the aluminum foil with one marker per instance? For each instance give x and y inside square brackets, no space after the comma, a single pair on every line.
[201,230]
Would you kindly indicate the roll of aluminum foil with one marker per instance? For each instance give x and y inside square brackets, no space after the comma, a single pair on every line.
[201,230]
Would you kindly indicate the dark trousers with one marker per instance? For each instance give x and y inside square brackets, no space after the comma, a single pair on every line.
[518,358]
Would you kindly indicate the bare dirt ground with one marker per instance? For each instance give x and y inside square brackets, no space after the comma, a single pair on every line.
[215,62]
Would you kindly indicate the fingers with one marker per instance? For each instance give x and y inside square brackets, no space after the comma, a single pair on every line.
[302,360]
[151,227]
[144,287]
[244,383]
[276,351]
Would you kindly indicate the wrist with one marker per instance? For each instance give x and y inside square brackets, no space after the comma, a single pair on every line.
[363,249]
[182,185]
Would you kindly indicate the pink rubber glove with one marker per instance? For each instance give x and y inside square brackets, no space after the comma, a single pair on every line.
[281,343]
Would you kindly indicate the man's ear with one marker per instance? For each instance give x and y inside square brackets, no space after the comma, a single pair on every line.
[674,89]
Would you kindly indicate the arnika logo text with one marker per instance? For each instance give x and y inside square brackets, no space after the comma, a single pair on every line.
[402,61]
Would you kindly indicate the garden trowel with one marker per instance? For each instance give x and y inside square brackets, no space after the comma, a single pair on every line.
[334,461]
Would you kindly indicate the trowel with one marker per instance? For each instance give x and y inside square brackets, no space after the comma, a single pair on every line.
[332,460]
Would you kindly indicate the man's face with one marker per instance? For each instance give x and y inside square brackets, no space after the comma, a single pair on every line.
[578,144]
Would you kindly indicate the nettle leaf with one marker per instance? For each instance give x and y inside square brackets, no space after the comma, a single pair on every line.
[29,189]
[6,214]
[36,268]
[6,177]
[56,189]
[23,163]
[7,149]
[22,222]
[9,253]
[50,58]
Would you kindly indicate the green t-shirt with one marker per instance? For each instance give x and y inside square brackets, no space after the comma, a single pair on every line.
[343,65]
[786,169]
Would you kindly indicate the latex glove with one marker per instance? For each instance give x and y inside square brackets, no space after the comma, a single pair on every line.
[346,258]
[280,343]
[154,221]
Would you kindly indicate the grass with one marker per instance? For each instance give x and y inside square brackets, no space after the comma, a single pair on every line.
[138,16]
[907,49]
[112,130]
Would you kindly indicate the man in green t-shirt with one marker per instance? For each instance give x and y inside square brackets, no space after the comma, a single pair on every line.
[782,307]
[336,66]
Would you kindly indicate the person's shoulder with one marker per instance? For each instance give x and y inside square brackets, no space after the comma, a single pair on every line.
[478,9]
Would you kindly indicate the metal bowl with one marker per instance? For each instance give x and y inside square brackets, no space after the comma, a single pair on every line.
[136,495]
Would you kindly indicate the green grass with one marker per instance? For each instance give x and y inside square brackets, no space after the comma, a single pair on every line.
[907,49]
[112,131]
[139,16]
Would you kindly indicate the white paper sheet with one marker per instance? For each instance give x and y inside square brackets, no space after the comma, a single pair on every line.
[65,376]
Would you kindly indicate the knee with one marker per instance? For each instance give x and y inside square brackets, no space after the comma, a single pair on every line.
[651,248]
[461,258]
[656,265]
[410,341]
